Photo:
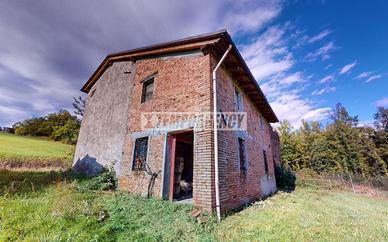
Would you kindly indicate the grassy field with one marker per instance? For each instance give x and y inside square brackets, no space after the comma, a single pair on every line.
[28,152]
[53,206]
[310,215]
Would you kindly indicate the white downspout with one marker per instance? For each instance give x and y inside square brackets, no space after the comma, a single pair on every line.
[217,188]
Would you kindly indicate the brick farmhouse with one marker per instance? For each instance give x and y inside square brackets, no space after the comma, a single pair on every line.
[175,160]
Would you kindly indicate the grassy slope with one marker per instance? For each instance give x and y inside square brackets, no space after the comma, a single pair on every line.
[19,149]
[62,212]
[310,215]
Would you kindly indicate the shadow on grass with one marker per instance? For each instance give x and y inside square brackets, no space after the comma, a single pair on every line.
[24,182]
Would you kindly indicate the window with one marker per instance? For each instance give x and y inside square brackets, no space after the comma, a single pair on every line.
[242,158]
[265,162]
[140,154]
[239,106]
[148,90]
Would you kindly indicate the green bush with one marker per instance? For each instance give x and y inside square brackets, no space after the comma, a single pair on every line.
[105,181]
[285,177]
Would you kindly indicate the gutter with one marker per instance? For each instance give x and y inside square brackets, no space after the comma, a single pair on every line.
[216,177]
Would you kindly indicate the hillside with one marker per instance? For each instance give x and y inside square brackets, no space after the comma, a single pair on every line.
[22,152]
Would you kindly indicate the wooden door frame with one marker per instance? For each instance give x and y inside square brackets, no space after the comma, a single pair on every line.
[171,142]
[172,147]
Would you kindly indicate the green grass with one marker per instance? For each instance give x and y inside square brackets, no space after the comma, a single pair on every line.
[65,211]
[58,208]
[30,152]
[308,214]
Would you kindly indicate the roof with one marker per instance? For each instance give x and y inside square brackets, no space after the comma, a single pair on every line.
[217,43]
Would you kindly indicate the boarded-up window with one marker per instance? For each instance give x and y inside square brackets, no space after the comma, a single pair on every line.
[265,162]
[238,97]
[148,90]
[242,158]
[140,154]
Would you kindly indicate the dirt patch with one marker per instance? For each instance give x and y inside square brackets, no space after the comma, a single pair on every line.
[38,165]
[368,191]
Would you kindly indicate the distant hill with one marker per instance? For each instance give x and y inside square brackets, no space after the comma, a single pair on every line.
[23,152]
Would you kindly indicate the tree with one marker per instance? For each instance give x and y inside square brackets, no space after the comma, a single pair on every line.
[340,147]
[68,133]
[380,137]
[58,126]
[381,119]
[288,145]
[306,135]
[339,114]
[79,105]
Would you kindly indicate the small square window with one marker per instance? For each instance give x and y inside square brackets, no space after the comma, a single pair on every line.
[242,157]
[148,90]
[140,154]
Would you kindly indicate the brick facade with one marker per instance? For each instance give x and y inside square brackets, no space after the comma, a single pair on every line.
[237,188]
[182,83]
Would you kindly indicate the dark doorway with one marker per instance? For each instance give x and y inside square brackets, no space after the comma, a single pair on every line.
[181,166]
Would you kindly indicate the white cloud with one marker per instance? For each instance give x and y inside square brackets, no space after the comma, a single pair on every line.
[271,61]
[362,75]
[54,47]
[323,53]
[10,113]
[347,67]
[293,108]
[373,78]
[248,16]
[328,66]
[382,102]
[327,78]
[292,78]
[268,54]
[323,91]
[367,123]
[367,76]
[317,114]
[319,36]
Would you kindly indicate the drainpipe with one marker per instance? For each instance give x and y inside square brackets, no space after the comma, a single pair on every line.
[217,188]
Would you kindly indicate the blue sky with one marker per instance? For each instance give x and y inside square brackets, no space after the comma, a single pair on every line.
[306,55]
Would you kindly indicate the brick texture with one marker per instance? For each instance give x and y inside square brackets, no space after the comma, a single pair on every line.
[237,188]
[183,83]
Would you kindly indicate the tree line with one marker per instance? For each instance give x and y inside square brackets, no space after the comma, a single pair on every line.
[60,126]
[341,146]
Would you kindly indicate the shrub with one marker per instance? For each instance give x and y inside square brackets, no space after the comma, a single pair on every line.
[105,181]
[285,177]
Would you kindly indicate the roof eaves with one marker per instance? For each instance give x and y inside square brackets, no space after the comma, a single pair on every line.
[251,77]
[111,57]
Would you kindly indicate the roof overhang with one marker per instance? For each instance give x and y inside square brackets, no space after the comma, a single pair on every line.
[217,42]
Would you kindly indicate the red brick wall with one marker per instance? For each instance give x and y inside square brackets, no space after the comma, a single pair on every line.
[184,84]
[237,188]
[181,85]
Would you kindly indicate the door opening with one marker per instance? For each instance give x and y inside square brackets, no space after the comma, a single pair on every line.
[181,167]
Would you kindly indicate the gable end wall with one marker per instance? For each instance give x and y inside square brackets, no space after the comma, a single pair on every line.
[104,123]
